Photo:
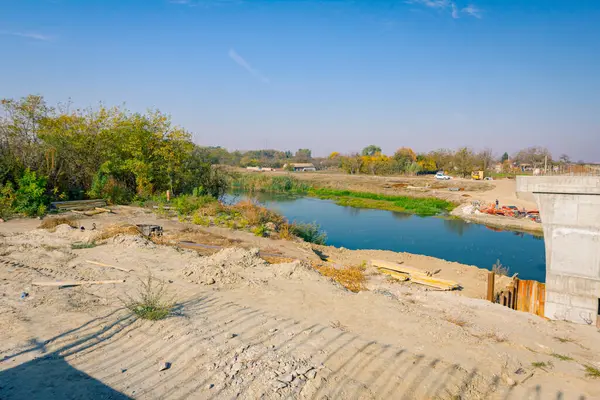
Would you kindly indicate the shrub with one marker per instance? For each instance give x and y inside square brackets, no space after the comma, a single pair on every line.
[257,215]
[106,186]
[186,205]
[213,181]
[260,231]
[311,233]
[7,198]
[500,269]
[30,198]
[153,302]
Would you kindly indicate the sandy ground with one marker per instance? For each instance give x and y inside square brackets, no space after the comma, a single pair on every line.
[486,192]
[247,329]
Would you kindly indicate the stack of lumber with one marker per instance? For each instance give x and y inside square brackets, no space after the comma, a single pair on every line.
[405,273]
[78,205]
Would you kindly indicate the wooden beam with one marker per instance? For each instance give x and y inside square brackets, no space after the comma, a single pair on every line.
[76,283]
[490,286]
[107,266]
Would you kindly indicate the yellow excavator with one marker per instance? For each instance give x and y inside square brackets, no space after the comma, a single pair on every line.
[477,175]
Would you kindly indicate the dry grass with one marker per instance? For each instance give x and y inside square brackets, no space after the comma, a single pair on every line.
[285,232]
[564,339]
[114,230]
[195,236]
[458,321]
[492,336]
[352,278]
[257,215]
[277,260]
[51,223]
[338,325]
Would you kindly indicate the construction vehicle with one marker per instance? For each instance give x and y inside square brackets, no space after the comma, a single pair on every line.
[477,175]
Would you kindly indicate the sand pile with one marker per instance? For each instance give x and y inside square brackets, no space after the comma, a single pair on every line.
[235,265]
[223,267]
[132,241]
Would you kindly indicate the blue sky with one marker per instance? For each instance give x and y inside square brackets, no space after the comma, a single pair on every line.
[324,74]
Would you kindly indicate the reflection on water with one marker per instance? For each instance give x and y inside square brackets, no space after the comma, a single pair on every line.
[449,239]
[456,226]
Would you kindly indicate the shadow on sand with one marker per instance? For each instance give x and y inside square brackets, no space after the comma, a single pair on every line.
[355,367]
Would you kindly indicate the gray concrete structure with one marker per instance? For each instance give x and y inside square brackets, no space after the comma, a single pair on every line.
[570,211]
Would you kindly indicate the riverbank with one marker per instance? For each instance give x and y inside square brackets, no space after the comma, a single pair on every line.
[419,187]
[423,206]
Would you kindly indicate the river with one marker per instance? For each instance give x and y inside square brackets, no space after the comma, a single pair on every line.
[448,239]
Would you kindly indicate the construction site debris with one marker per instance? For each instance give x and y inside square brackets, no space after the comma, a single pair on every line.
[164,366]
[404,272]
[77,205]
[149,230]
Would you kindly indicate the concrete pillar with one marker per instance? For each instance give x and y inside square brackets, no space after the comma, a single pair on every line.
[570,212]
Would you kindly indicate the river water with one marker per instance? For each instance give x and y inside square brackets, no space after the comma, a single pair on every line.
[448,239]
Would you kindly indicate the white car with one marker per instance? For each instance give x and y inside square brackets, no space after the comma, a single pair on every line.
[440,175]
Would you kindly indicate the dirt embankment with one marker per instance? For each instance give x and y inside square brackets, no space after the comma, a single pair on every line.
[245,328]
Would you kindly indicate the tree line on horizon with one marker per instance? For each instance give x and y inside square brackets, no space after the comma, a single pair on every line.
[51,153]
[405,160]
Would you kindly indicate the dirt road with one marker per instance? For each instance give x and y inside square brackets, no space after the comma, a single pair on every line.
[248,329]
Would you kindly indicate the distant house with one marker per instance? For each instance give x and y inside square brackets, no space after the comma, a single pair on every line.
[300,167]
[260,169]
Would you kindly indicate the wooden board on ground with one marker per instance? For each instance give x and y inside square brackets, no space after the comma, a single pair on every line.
[396,275]
[398,267]
[76,283]
[107,266]
[442,284]
[415,275]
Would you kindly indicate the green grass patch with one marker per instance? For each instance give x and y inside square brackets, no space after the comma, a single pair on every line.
[424,206]
[541,364]
[561,357]
[592,372]
[79,246]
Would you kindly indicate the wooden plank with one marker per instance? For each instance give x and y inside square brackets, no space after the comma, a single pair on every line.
[417,275]
[76,283]
[398,267]
[107,266]
[396,275]
[437,283]
[490,286]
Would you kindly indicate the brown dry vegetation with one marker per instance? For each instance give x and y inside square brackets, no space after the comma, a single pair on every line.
[51,223]
[352,277]
[118,229]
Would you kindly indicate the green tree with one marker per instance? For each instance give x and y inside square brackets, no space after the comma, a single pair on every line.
[463,161]
[504,157]
[371,150]
[405,157]
[303,155]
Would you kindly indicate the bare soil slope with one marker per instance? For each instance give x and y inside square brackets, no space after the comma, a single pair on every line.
[247,329]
